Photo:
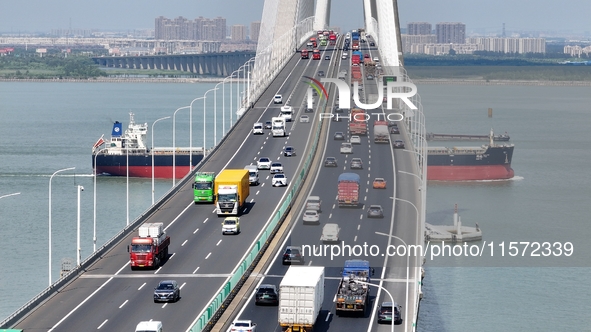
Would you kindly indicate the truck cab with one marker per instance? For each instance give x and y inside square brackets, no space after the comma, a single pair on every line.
[149,326]
[278,128]
[286,112]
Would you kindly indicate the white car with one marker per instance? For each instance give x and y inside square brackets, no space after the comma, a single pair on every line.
[257,128]
[264,163]
[278,99]
[304,118]
[243,326]
[346,148]
[330,233]
[279,180]
[311,216]
[231,225]
[276,167]
[355,139]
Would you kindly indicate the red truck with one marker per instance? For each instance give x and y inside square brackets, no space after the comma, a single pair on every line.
[355,59]
[332,39]
[355,44]
[358,122]
[316,55]
[313,41]
[304,54]
[348,189]
[150,247]
[356,75]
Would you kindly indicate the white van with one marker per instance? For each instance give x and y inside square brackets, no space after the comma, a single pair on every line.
[149,326]
[314,203]
[253,174]
[257,128]
[330,233]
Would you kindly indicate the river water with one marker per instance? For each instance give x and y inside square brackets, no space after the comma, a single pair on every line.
[45,127]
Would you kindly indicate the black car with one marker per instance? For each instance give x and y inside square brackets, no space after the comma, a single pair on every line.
[289,151]
[321,73]
[339,135]
[266,294]
[292,255]
[394,130]
[327,57]
[372,44]
[167,291]
[330,162]
[268,125]
[375,211]
[385,313]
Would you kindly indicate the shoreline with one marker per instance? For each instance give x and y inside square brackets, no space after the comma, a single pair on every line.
[217,80]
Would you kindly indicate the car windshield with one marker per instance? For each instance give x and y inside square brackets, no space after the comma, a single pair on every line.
[386,311]
[230,222]
[266,291]
[203,185]
[276,165]
[292,251]
[264,160]
[140,248]
[165,286]
[279,176]
[242,324]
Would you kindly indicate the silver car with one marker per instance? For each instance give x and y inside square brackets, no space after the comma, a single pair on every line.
[346,148]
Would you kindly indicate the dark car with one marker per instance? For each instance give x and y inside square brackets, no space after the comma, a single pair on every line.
[385,313]
[398,144]
[327,57]
[372,44]
[293,254]
[394,130]
[289,151]
[266,294]
[321,73]
[268,125]
[375,211]
[338,110]
[167,291]
[330,162]
[339,135]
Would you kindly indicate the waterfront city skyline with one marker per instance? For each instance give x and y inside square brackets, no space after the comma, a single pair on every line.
[481,16]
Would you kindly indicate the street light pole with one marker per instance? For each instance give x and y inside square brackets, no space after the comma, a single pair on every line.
[153,125]
[385,290]
[94,213]
[191,132]
[174,146]
[50,178]
[80,189]
[204,112]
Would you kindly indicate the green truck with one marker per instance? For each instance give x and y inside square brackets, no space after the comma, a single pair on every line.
[231,190]
[203,187]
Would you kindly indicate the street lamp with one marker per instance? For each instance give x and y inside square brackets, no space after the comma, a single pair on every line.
[94,213]
[153,127]
[13,194]
[80,189]
[174,145]
[191,132]
[385,290]
[50,178]
[407,273]
[204,109]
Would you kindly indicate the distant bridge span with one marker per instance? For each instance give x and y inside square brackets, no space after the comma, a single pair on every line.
[215,64]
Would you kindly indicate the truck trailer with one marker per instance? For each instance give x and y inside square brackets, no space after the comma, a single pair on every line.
[348,189]
[278,126]
[352,296]
[358,122]
[150,247]
[232,187]
[380,132]
[301,293]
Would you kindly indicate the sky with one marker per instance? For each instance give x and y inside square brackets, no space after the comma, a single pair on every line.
[120,15]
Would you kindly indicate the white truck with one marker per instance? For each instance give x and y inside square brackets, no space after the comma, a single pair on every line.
[278,126]
[286,113]
[301,293]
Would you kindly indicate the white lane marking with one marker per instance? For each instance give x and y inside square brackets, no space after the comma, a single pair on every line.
[206,257]
[330,215]
[124,303]
[220,241]
[142,286]
[364,198]
[158,270]
[360,216]
[206,219]
[88,298]
[164,305]
[183,285]
[103,323]
[184,243]
[196,270]
[252,200]
[358,226]
[328,316]
[258,191]
[196,231]
[355,239]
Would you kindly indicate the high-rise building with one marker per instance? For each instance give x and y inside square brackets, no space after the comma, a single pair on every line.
[450,33]
[181,28]
[255,29]
[418,28]
[238,32]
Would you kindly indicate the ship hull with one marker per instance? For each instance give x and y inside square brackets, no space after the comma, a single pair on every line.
[494,163]
[140,165]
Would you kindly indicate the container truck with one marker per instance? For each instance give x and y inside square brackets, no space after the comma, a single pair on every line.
[356,75]
[348,189]
[150,247]
[380,132]
[356,57]
[313,41]
[353,297]
[332,39]
[358,122]
[301,293]
[203,187]
[232,188]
